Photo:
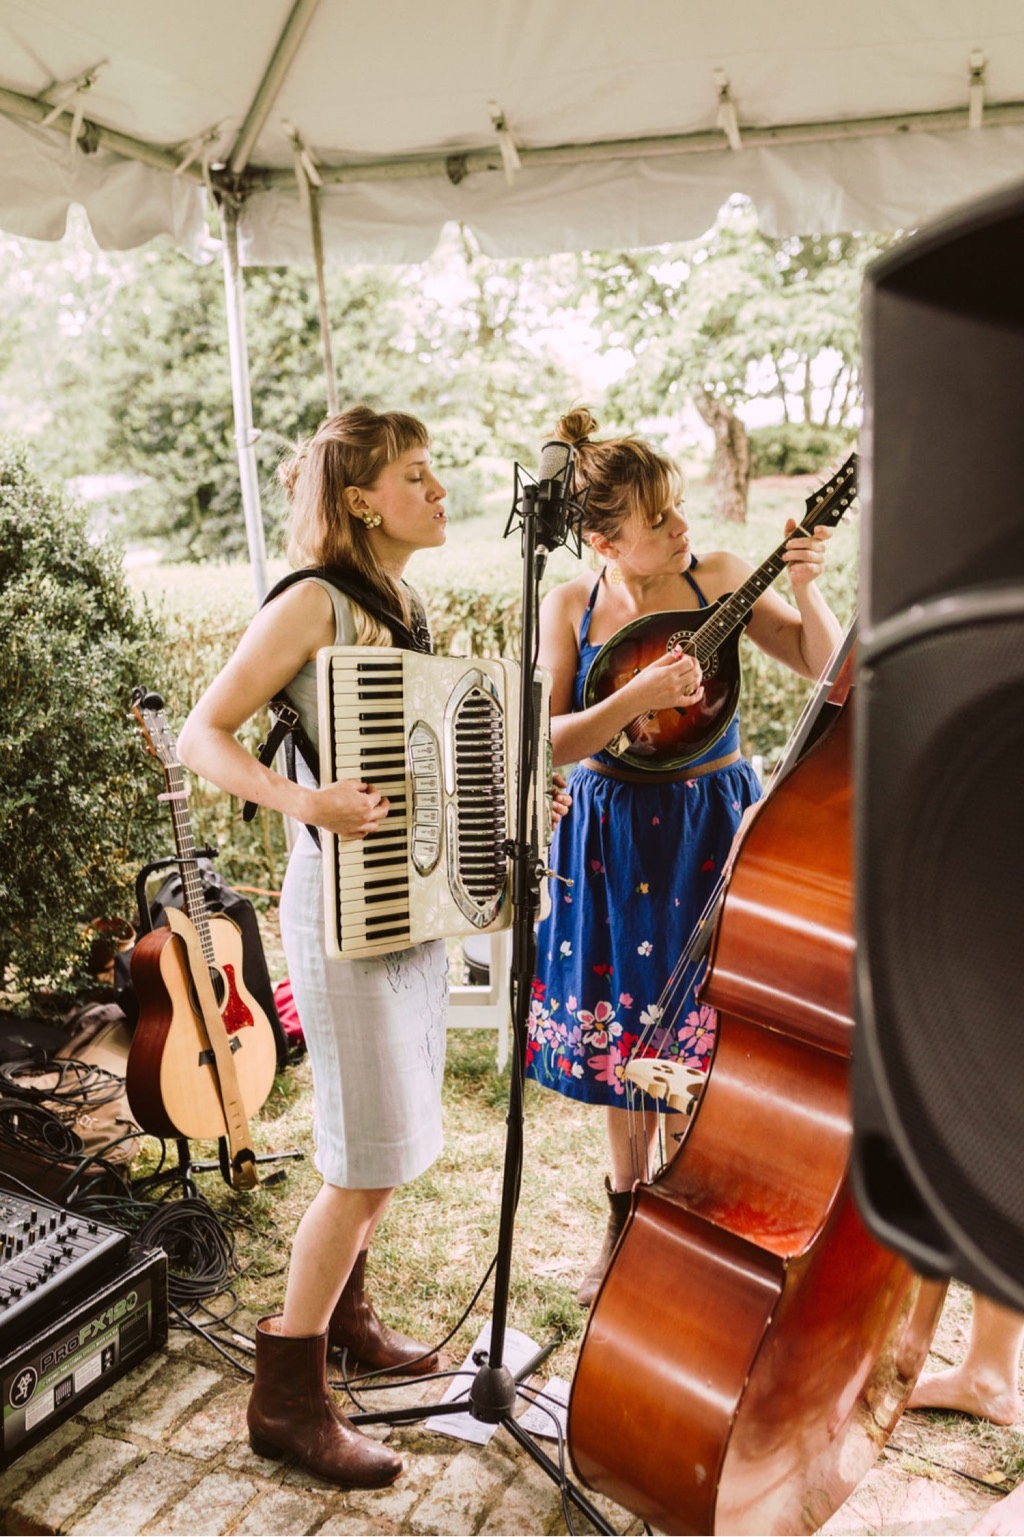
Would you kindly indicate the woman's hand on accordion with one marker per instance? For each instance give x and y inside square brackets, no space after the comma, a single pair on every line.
[348,808]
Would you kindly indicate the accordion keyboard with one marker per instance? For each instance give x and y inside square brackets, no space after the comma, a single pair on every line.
[437,736]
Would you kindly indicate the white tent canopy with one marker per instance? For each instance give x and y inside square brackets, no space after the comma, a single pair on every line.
[360,130]
[544,126]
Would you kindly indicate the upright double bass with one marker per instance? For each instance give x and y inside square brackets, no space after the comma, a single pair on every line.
[752,1346]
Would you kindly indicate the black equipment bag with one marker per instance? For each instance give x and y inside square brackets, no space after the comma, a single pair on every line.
[220,899]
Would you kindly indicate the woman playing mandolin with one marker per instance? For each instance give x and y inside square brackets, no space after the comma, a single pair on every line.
[644,847]
[364,498]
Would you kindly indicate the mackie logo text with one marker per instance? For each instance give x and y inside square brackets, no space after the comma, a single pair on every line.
[98,1325]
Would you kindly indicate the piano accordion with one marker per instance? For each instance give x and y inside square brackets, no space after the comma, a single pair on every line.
[439,737]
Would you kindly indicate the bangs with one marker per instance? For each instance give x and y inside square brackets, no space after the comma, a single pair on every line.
[660,483]
[402,432]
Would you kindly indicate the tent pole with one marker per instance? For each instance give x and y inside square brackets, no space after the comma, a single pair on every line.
[321,288]
[245,433]
[269,88]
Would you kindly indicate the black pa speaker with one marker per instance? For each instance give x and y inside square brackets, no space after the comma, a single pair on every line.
[938,1061]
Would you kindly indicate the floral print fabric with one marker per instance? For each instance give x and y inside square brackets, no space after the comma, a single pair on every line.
[644,861]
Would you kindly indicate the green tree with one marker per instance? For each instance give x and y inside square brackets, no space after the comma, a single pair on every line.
[55,297]
[166,367]
[78,812]
[489,382]
[731,318]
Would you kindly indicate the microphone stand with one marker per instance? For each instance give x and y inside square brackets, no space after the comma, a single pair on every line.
[492,1395]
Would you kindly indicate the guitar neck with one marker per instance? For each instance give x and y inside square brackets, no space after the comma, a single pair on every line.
[193,896]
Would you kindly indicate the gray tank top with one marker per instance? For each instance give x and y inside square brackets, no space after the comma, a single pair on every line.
[302,689]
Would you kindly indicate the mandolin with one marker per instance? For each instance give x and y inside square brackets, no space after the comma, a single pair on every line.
[203,1056]
[669,739]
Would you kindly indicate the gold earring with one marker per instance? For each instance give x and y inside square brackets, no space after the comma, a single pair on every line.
[615,576]
[371,519]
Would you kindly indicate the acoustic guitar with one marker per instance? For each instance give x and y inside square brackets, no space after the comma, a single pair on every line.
[203,1056]
[668,739]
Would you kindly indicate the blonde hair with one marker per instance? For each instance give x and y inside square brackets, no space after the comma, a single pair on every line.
[349,449]
[622,476]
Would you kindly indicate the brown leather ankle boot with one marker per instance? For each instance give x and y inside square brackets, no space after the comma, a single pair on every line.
[370,1344]
[619,1202]
[292,1412]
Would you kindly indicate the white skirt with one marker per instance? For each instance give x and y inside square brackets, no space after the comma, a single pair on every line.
[376,1032]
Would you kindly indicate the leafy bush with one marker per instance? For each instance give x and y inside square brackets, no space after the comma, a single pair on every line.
[78,807]
[795,448]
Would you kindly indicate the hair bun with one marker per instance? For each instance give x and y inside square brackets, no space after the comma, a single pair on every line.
[576,426]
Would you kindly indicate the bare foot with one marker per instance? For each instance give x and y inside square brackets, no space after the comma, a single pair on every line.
[1004,1518]
[986,1396]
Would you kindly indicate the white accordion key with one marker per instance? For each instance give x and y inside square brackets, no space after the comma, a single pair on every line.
[438,737]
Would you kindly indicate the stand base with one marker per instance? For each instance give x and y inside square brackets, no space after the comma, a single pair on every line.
[187,1168]
[491,1400]
[492,1395]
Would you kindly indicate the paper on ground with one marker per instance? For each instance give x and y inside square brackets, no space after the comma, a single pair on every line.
[518,1350]
[551,1399]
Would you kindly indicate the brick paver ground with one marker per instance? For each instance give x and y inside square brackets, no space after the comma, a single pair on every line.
[165,1451]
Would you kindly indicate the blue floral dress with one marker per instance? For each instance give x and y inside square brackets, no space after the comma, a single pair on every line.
[644,860]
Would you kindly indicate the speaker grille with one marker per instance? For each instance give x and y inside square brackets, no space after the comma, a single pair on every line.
[941,910]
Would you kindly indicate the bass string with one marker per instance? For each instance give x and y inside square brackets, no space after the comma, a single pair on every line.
[687,973]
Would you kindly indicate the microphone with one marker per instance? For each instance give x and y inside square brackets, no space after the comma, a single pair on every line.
[553,501]
[555,515]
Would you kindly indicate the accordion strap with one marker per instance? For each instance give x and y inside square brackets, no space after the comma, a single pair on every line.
[287,727]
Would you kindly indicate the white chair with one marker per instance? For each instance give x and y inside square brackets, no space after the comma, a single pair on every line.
[475,1007]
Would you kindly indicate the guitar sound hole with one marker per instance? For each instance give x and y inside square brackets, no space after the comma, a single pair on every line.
[219,992]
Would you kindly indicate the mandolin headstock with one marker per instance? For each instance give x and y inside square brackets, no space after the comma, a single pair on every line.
[826,506]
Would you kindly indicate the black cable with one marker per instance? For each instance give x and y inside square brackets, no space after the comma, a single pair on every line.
[200,1252]
[532,1395]
[83,1085]
[933,1462]
[347,1383]
[31,1128]
[188,1321]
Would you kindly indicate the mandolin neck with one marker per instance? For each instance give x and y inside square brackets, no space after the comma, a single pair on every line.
[706,641]
[825,507]
[732,612]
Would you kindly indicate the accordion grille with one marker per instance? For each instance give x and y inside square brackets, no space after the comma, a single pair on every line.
[481,828]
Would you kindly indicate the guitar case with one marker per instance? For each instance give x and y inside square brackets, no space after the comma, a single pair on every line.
[220,899]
